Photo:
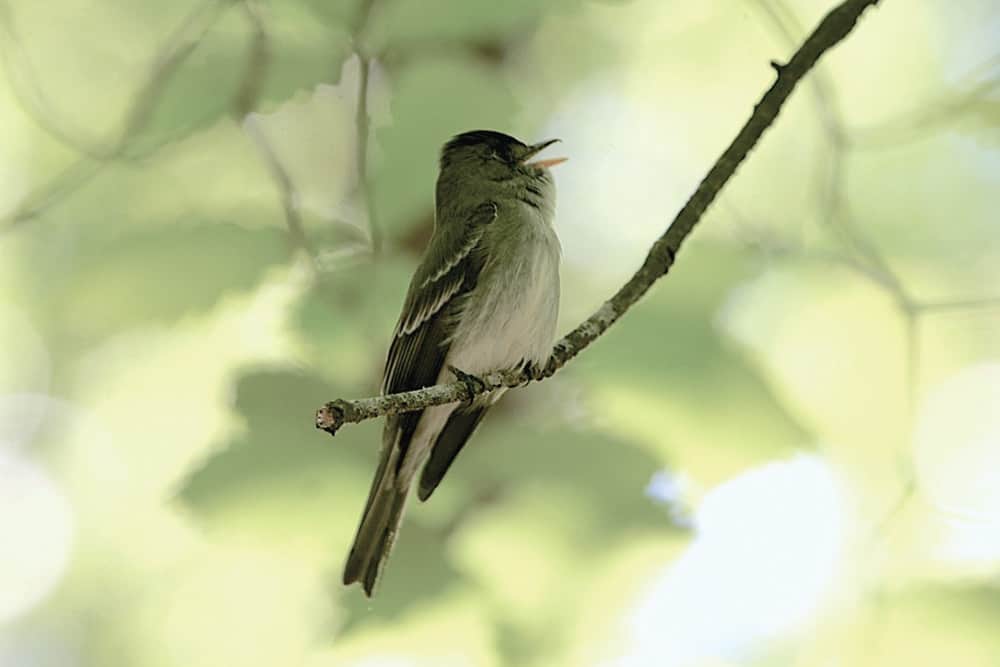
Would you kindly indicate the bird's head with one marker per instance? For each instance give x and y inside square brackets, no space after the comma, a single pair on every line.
[493,164]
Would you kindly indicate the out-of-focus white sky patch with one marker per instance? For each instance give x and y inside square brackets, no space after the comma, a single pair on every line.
[971,539]
[614,196]
[667,487]
[36,524]
[957,455]
[675,492]
[36,531]
[768,550]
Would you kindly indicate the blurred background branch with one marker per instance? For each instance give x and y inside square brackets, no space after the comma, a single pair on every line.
[258,58]
[857,252]
[362,122]
[34,100]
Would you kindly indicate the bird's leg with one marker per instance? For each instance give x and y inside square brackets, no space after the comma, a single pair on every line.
[473,384]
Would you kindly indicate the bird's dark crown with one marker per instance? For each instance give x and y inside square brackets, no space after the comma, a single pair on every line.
[497,141]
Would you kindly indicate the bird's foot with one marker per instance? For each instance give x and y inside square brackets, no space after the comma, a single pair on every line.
[473,384]
[533,371]
[536,371]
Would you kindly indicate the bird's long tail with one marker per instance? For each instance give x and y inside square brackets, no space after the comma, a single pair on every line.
[379,524]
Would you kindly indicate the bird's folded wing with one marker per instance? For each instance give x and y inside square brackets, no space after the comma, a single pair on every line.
[450,268]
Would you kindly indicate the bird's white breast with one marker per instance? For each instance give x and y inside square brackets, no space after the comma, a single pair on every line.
[513,316]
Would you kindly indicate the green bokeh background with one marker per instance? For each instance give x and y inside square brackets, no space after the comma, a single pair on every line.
[787,454]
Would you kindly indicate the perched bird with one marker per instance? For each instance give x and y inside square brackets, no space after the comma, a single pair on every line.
[484,298]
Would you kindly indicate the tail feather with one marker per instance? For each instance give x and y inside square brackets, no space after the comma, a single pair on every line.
[461,425]
[408,439]
[378,529]
[382,516]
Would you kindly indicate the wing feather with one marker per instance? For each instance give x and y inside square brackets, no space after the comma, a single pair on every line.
[450,268]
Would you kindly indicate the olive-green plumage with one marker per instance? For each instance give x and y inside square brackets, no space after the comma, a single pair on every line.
[484,298]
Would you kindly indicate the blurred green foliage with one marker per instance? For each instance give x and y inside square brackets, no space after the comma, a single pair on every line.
[187,272]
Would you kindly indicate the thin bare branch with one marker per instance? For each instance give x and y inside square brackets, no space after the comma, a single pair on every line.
[362,124]
[286,188]
[178,46]
[258,60]
[65,183]
[834,27]
[244,102]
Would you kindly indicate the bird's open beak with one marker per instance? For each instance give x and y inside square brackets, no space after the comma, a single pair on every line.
[542,164]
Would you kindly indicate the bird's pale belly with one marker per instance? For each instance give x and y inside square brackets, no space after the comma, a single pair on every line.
[515,319]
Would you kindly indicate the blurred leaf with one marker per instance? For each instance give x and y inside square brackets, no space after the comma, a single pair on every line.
[99,284]
[540,507]
[963,619]
[284,482]
[344,323]
[451,630]
[214,174]
[986,116]
[400,23]
[680,369]
[287,483]
[306,43]
[281,51]
[283,476]
[82,93]
[905,213]
[198,62]
[197,89]
[790,319]
[341,14]
[404,179]
[509,454]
